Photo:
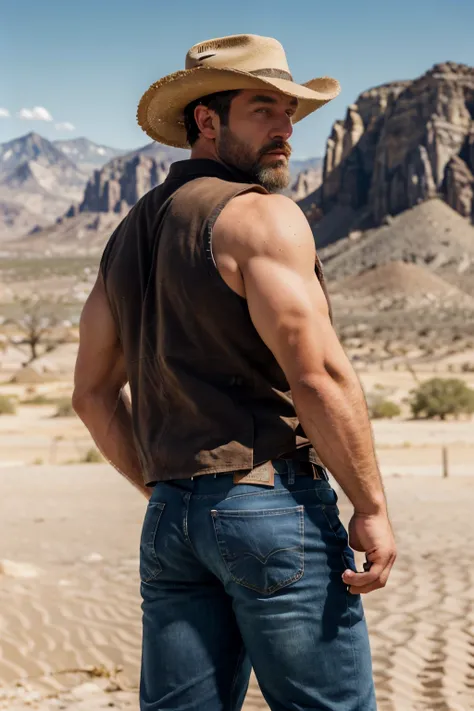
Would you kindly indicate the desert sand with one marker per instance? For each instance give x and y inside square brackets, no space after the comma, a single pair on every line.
[70,615]
[70,607]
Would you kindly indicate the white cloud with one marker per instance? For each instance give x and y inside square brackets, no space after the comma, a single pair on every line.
[38,113]
[4,113]
[65,126]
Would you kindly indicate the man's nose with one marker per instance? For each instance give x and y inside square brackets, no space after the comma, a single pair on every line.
[282,130]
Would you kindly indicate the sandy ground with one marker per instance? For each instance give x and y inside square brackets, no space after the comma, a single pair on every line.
[69,589]
[75,530]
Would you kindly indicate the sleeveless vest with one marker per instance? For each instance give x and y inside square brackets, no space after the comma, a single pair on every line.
[208,396]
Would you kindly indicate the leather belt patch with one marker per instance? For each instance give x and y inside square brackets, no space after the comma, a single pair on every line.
[264,475]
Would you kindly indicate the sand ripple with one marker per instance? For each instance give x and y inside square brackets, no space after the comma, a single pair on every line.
[421,626]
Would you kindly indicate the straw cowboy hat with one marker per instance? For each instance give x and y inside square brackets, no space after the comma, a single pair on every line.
[234,62]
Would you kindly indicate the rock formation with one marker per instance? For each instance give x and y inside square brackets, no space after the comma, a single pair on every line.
[121,183]
[306,182]
[401,144]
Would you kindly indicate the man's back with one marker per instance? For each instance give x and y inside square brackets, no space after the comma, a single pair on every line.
[208,394]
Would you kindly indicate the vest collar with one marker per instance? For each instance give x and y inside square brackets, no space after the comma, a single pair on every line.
[201,167]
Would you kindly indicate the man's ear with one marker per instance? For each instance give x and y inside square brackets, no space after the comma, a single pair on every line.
[207,121]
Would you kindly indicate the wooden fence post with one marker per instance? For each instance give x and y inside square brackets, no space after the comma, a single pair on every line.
[445,463]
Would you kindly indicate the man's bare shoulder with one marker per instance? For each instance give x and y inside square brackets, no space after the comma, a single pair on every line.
[269,223]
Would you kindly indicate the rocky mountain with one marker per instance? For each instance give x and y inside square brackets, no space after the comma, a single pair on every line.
[399,144]
[87,155]
[300,166]
[306,182]
[160,153]
[32,148]
[124,180]
[37,182]
[121,183]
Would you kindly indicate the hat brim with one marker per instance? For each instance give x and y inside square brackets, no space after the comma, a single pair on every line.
[160,111]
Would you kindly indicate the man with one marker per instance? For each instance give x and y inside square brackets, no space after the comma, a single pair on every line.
[211,303]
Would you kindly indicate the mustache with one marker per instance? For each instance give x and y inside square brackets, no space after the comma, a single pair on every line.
[285,148]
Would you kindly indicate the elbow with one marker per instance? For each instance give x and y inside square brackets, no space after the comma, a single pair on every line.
[82,402]
[317,379]
[79,402]
[320,380]
[102,398]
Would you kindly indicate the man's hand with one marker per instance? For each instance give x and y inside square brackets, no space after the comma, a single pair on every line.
[373,535]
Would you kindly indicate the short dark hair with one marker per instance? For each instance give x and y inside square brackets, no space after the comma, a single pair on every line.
[219,102]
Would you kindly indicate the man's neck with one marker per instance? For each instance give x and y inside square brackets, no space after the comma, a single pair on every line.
[203,153]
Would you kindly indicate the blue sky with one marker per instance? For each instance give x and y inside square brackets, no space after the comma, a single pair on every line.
[87,63]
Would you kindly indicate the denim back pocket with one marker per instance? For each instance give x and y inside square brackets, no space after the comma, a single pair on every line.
[262,550]
[150,566]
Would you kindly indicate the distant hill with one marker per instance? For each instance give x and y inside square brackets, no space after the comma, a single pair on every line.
[37,182]
[87,155]
[407,285]
[115,187]
[159,152]
[431,235]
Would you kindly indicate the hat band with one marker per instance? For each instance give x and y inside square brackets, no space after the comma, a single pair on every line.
[272,74]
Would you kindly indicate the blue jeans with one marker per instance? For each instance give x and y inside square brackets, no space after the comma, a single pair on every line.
[241,576]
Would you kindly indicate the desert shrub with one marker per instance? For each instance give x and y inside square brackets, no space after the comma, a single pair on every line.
[440,397]
[38,400]
[384,408]
[7,406]
[92,456]
[65,408]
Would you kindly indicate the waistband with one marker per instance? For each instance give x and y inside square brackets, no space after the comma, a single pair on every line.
[284,473]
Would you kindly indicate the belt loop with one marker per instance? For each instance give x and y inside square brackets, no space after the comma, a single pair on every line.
[291,472]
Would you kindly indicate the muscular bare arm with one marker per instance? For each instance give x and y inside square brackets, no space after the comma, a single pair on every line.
[99,378]
[273,246]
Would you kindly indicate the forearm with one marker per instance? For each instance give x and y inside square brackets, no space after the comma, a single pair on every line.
[334,416]
[109,422]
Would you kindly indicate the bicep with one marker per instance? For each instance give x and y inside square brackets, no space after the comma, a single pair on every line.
[100,363]
[287,304]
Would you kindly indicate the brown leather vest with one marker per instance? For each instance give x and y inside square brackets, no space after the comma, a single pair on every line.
[207,394]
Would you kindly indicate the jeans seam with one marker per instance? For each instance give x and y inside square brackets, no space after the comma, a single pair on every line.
[354,656]
[240,659]
[348,609]
[323,507]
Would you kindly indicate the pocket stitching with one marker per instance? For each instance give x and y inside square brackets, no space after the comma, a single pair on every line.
[150,546]
[224,551]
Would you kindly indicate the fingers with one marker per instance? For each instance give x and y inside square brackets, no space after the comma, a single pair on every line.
[374,579]
[363,579]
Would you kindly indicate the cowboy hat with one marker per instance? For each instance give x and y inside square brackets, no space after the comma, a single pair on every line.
[234,62]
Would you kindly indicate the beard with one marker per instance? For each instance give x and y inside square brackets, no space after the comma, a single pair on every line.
[273,175]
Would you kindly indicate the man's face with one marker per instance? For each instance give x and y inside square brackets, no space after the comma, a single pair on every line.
[259,123]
